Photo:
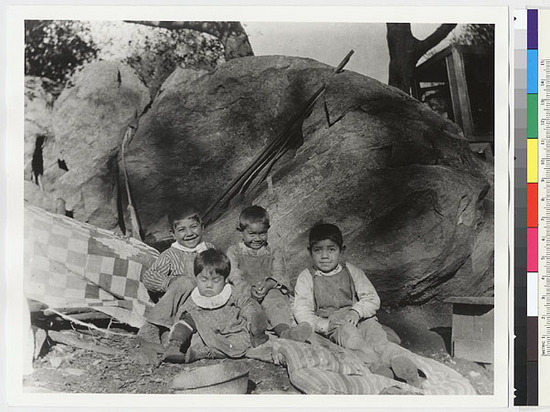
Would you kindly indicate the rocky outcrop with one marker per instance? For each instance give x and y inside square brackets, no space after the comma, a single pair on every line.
[90,118]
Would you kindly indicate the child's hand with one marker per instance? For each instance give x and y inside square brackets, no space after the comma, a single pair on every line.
[335,321]
[333,324]
[259,291]
[352,317]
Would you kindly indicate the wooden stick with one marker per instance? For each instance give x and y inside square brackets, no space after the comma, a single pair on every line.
[260,159]
[72,311]
[134,222]
[87,325]
[71,340]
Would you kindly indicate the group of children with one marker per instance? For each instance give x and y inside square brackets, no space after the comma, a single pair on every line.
[218,305]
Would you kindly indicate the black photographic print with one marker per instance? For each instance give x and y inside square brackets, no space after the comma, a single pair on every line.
[270,201]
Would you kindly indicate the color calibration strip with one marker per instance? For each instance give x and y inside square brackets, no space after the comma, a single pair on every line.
[520,207]
[543,126]
[532,207]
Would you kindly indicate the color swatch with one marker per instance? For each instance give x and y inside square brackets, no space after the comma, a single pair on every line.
[522,216]
[532,230]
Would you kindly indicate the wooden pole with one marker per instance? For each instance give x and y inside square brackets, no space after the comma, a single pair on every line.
[134,222]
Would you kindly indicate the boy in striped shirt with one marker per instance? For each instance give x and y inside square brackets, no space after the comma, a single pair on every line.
[171,278]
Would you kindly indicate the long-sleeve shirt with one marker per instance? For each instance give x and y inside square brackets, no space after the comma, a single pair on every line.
[257,265]
[304,305]
[171,263]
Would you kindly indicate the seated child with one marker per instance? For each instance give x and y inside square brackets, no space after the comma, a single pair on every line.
[262,268]
[216,321]
[340,302]
[171,276]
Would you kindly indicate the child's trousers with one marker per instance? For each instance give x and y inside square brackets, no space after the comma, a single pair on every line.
[368,337]
[277,308]
[164,313]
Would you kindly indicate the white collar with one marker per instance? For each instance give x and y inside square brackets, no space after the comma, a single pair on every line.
[331,273]
[201,247]
[264,250]
[212,302]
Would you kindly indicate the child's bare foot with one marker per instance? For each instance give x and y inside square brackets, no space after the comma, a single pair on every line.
[405,369]
[257,340]
[299,333]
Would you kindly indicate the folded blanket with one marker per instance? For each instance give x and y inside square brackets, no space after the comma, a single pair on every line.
[324,368]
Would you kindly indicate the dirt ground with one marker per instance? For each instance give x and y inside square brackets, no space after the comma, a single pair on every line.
[64,368]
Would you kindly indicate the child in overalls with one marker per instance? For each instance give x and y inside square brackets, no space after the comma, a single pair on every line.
[215,321]
[262,267]
[339,302]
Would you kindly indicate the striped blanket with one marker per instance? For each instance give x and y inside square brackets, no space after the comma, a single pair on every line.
[70,264]
[324,368]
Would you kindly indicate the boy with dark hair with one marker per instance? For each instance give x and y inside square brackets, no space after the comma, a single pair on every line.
[171,278]
[262,268]
[216,321]
[340,302]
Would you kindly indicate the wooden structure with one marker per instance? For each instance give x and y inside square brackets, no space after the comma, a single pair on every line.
[458,82]
[472,334]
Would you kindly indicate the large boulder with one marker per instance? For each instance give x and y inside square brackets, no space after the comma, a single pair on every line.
[201,132]
[90,118]
[413,201]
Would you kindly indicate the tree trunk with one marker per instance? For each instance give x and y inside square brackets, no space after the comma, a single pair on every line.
[401,45]
[231,34]
[405,51]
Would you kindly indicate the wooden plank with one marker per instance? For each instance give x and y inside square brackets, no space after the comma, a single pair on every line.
[471,300]
[474,350]
[453,89]
[463,95]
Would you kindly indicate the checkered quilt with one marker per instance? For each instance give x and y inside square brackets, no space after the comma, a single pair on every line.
[69,264]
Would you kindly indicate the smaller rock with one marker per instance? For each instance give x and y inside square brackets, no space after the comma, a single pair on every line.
[56,361]
[40,336]
[474,374]
[74,371]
